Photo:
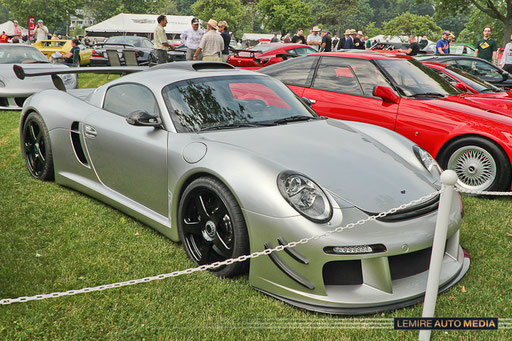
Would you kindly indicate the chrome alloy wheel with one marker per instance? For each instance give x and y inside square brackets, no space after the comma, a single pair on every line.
[475,167]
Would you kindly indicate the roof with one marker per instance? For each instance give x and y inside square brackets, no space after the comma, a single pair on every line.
[8,27]
[125,23]
[363,55]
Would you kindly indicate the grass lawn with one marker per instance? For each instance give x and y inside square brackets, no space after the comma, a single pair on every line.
[55,239]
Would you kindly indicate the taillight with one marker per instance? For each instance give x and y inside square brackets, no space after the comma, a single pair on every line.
[96,54]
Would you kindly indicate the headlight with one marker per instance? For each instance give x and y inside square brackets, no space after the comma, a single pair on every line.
[427,161]
[305,196]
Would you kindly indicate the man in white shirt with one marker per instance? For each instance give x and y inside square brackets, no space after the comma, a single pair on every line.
[506,59]
[314,39]
[41,31]
[161,43]
[191,38]
[211,44]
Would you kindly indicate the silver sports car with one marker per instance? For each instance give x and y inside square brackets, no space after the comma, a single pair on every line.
[13,91]
[231,162]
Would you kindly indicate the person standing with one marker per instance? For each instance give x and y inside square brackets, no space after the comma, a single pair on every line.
[359,42]
[335,41]
[161,43]
[506,59]
[299,37]
[414,47]
[326,42]
[368,42]
[211,44]
[486,47]
[442,45]
[3,38]
[17,29]
[287,39]
[191,38]
[274,39]
[314,39]
[41,32]
[223,29]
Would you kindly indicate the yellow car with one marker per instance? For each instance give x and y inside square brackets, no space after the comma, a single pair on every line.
[49,47]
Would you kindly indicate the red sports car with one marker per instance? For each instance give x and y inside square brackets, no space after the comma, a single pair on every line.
[400,93]
[267,54]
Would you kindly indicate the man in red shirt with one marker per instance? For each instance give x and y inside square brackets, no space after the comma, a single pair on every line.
[4,38]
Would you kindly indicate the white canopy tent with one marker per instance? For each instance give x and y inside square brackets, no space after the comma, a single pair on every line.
[258,36]
[138,24]
[391,39]
[8,27]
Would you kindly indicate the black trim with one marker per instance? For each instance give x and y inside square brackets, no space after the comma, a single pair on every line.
[287,270]
[410,212]
[77,144]
[292,252]
[374,309]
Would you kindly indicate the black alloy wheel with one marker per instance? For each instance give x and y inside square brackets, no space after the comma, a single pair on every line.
[36,148]
[212,227]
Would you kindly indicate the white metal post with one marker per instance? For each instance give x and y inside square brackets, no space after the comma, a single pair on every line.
[448,179]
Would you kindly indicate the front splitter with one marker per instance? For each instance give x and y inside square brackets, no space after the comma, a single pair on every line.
[373,309]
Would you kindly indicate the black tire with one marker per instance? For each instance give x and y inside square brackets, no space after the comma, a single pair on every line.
[36,148]
[211,226]
[480,164]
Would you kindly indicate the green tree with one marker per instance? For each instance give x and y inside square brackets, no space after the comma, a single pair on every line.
[334,13]
[231,11]
[407,24]
[371,30]
[53,12]
[285,15]
[495,11]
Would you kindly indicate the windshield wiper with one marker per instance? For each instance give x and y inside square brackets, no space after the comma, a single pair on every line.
[490,90]
[428,94]
[237,125]
[295,118]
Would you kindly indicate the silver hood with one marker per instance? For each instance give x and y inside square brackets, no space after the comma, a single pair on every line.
[345,161]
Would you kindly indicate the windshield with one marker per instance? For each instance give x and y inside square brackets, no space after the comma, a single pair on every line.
[225,101]
[413,79]
[21,54]
[135,41]
[477,84]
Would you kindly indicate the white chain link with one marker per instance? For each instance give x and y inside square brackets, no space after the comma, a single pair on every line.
[6,301]
[491,193]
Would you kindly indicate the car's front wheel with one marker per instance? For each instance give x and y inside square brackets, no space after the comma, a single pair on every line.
[479,163]
[212,227]
[36,147]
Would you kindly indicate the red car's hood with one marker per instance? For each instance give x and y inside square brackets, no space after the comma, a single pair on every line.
[497,103]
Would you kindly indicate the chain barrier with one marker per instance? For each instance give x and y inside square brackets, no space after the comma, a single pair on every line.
[205,267]
[490,193]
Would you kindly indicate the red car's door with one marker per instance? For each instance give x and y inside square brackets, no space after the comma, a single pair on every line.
[342,88]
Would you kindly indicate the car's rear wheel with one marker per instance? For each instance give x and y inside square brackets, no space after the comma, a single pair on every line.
[36,147]
[212,227]
[479,163]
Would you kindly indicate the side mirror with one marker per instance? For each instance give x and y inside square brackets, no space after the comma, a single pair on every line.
[386,93]
[505,75]
[462,87]
[143,118]
[307,101]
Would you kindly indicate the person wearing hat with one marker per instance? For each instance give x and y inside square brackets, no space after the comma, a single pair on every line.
[443,45]
[359,42]
[211,44]
[191,38]
[223,29]
[17,29]
[348,41]
[161,43]
[326,42]
[314,39]
[41,32]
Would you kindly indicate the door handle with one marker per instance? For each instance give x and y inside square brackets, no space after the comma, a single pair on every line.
[90,132]
[313,101]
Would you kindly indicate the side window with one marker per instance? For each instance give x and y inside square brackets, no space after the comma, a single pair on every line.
[335,74]
[368,75]
[124,99]
[297,71]
[446,77]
